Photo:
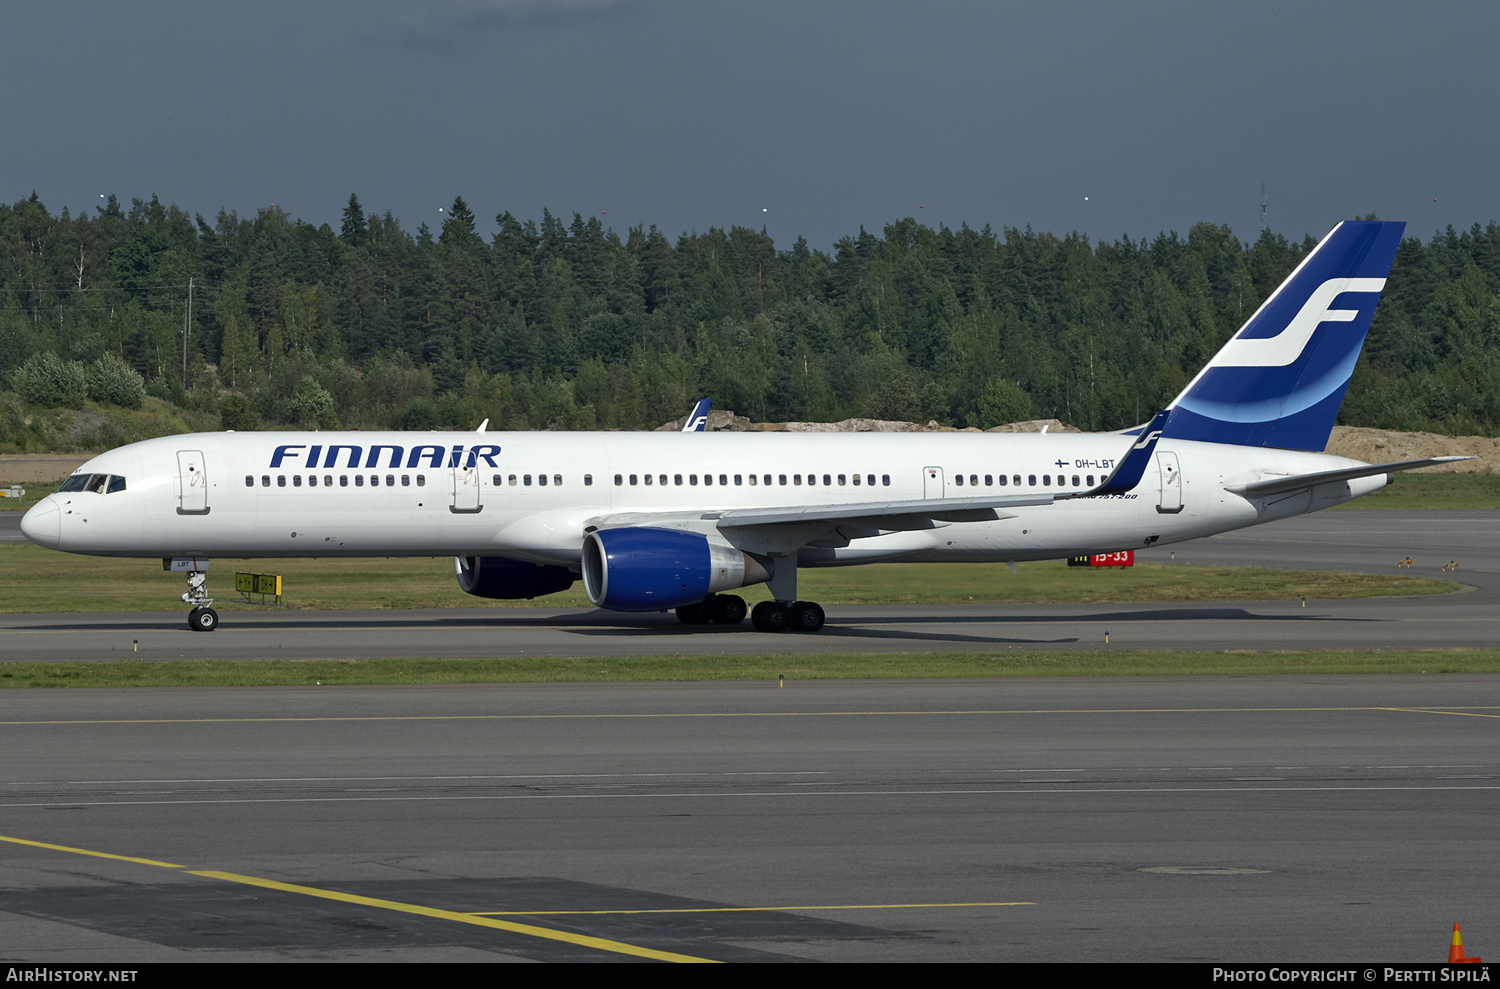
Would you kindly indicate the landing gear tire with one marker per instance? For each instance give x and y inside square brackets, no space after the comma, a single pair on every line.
[695,614]
[727,609]
[771,616]
[203,619]
[806,616]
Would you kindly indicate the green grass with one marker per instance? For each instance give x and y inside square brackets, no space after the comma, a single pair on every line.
[33,579]
[767,667]
[1422,491]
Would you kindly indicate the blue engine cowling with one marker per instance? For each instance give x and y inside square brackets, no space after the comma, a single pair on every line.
[497,577]
[645,569]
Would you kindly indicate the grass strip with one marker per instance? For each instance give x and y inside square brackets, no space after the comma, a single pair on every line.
[39,581]
[765,667]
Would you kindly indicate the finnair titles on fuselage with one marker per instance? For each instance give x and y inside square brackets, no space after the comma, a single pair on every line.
[656,521]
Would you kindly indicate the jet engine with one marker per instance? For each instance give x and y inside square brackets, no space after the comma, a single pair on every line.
[498,577]
[645,569]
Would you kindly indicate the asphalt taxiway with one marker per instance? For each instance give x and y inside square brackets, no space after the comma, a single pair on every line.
[1151,819]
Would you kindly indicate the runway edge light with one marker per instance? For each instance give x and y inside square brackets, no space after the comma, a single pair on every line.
[1456,949]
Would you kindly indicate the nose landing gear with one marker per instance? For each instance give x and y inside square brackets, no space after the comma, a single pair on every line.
[202,618]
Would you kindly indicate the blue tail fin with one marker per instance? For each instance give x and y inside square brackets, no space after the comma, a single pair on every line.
[1280,380]
[698,418]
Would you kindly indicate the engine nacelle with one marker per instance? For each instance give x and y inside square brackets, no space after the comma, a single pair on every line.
[497,577]
[645,569]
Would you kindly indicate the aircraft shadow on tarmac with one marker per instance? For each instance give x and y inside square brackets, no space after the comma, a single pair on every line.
[615,623]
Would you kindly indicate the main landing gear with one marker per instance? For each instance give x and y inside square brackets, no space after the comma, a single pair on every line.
[768,616]
[202,618]
[725,609]
[787,616]
[784,614]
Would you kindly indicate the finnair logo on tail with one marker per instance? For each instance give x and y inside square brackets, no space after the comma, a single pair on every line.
[1286,346]
[1147,438]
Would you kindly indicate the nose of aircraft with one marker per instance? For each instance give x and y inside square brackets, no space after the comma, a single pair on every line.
[43,524]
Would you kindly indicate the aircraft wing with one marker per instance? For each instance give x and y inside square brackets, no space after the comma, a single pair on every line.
[1281,485]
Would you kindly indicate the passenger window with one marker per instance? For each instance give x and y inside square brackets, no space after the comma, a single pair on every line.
[495,481]
[1031,479]
[812,479]
[265,480]
[249,480]
[312,480]
[327,480]
[958,479]
[663,479]
[343,480]
[885,479]
[973,480]
[359,480]
[740,479]
[281,480]
[1004,480]
[541,479]
[796,478]
[677,479]
[422,480]
[1091,480]
[511,480]
[827,480]
[841,479]
[525,480]
[556,480]
[723,479]
[296,480]
[989,480]
[768,479]
[1047,480]
[619,480]
[588,480]
[390,480]
[752,480]
[1016,480]
[648,478]
[374,480]
[1075,480]
[633,479]
[856,480]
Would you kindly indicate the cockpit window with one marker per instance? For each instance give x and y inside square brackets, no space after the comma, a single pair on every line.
[74,483]
[116,483]
[97,483]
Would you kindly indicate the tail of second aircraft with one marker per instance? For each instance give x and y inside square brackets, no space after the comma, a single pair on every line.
[1280,380]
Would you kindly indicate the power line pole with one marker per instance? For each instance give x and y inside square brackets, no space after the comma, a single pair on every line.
[187,330]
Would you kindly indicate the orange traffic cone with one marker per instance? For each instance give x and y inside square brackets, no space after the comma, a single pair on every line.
[1456,949]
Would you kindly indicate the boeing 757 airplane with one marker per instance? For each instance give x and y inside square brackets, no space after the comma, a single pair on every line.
[658,521]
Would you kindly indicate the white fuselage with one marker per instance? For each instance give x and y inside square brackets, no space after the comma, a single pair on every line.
[530,496]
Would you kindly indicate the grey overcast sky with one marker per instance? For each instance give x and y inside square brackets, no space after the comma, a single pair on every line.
[808,117]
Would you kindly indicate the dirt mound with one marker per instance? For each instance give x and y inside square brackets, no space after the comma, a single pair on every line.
[1378,446]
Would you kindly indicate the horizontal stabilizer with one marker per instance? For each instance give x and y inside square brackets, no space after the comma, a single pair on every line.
[1281,485]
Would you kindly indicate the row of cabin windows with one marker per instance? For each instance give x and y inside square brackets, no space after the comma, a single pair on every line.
[541,480]
[1031,480]
[312,480]
[97,482]
[754,479]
